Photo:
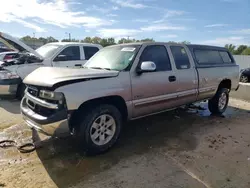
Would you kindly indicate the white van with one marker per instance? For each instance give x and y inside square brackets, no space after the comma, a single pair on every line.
[57,54]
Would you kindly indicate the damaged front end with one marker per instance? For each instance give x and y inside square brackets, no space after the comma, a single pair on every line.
[44,110]
[24,58]
[9,77]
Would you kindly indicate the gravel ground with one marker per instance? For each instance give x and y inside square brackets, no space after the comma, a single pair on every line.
[184,149]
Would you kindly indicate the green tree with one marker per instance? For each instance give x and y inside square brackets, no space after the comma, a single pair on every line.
[65,40]
[230,47]
[104,42]
[107,42]
[96,40]
[185,42]
[74,40]
[87,40]
[43,40]
[246,51]
[40,39]
[47,40]
[124,40]
[29,38]
[51,39]
[172,42]
[147,40]
[111,41]
[240,49]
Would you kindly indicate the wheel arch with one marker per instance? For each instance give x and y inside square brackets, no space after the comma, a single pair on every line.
[225,83]
[115,100]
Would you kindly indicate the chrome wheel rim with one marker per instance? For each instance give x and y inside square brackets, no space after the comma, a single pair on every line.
[102,129]
[222,101]
[244,79]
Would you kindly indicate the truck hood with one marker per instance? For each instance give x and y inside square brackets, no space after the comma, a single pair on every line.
[16,44]
[49,76]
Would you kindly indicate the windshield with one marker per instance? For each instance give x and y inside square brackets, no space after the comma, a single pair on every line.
[47,50]
[113,58]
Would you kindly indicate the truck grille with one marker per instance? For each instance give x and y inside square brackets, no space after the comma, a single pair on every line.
[33,91]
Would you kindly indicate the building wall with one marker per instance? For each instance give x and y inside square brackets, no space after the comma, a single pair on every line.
[242,60]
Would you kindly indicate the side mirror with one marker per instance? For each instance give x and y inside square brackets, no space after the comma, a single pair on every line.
[61,58]
[147,66]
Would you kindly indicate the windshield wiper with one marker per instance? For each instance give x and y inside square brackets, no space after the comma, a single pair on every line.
[99,68]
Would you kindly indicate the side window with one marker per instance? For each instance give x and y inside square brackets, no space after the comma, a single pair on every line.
[89,51]
[225,56]
[157,54]
[71,53]
[180,57]
[208,57]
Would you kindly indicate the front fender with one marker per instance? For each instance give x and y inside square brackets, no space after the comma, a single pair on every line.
[78,93]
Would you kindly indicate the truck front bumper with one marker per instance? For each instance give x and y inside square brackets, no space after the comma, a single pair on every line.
[9,86]
[51,125]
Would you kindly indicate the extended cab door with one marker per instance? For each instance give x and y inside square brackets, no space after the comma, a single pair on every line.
[70,56]
[153,91]
[186,74]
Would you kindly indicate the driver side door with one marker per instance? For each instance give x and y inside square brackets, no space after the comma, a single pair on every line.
[69,57]
[153,91]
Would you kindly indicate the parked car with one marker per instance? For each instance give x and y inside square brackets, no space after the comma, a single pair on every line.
[4,56]
[245,75]
[126,82]
[58,54]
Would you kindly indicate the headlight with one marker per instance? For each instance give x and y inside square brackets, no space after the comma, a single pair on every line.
[4,75]
[51,95]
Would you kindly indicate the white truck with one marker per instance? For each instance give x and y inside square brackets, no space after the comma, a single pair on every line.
[57,54]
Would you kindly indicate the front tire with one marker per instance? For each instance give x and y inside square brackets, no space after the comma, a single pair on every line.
[20,91]
[99,129]
[218,104]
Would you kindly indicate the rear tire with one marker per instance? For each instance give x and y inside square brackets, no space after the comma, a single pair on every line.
[244,79]
[99,129]
[218,104]
[20,91]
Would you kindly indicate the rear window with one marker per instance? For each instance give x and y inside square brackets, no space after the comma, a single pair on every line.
[208,57]
[180,57]
[226,57]
[212,56]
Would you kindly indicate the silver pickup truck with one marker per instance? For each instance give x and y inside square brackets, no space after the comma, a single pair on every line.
[125,82]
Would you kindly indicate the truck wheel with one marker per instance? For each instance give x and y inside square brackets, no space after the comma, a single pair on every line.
[99,129]
[243,79]
[218,104]
[20,91]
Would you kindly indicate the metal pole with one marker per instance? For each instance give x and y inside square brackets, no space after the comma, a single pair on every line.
[69,37]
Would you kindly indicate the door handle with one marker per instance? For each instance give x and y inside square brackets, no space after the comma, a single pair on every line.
[78,65]
[172,78]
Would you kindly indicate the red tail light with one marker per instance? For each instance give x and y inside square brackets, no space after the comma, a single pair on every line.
[7,57]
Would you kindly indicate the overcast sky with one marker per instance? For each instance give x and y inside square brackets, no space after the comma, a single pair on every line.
[215,22]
